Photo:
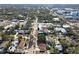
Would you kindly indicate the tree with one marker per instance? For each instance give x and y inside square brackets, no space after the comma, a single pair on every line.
[65,44]
[16,27]
[41,38]
[1,28]
[7,37]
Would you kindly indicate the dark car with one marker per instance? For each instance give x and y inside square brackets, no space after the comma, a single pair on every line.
[3,50]
[1,41]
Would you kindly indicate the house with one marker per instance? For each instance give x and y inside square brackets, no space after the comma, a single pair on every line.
[21,31]
[22,43]
[42,47]
[56,19]
[14,20]
[8,26]
[66,26]
[60,30]
[43,27]
[69,17]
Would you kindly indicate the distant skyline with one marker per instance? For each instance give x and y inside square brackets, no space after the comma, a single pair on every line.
[40,5]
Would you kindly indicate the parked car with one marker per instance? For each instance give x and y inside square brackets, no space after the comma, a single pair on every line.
[1,40]
[59,47]
[3,50]
[11,49]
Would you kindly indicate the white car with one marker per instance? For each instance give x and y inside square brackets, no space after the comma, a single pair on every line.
[58,46]
[12,48]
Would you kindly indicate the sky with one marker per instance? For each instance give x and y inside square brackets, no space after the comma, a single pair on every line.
[39,2]
[40,5]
